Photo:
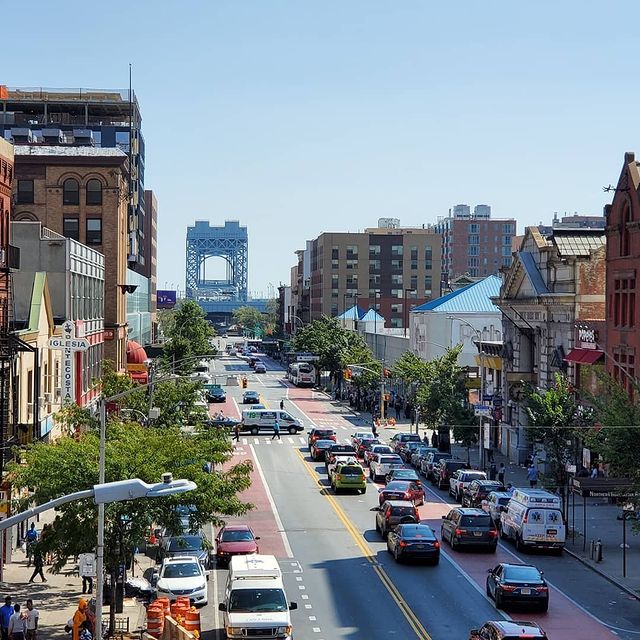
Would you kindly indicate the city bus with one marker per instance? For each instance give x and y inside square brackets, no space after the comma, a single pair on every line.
[302,374]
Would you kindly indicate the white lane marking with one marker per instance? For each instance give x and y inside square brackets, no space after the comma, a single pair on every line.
[259,379]
[511,553]
[302,440]
[301,587]
[235,404]
[245,441]
[312,618]
[256,441]
[276,515]
[290,440]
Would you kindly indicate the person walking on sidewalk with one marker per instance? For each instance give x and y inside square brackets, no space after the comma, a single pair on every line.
[6,611]
[33,617]
[17,624]
[31,539]
[38,564]
[281,405]
[236,432]
[276,430]
[532,476]
[501,471]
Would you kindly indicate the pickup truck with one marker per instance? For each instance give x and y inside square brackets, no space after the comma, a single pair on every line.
[381,464]
[461,479]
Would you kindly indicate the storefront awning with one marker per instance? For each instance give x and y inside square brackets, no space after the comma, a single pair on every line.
[584,356]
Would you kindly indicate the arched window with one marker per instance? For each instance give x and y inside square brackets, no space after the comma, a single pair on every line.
[94,192]
[71,192]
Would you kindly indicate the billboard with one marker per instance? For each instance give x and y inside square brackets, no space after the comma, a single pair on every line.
[166,299]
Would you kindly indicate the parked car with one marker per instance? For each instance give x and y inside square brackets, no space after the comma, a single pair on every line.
[364,444]
[413,541]
[478,490]
[180,576]
[400,438]
[381,464]
[469,527]
[426,466]
[187,545]
[494,504]
[216,394]
[319,449]
[402,490]
[443,471]
[359,435]
[507,630]
[260,368]
[517,584]
[234,540]
[461,479]
[406,450]
[348,475]
[391,513]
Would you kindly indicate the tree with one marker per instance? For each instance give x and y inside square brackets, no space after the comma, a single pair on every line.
[554,414]
[67,465]
[188,338]
[250,319]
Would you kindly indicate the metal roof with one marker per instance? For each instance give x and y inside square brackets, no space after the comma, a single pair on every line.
[533,273]
[578,244]
[474,298]
[49,150]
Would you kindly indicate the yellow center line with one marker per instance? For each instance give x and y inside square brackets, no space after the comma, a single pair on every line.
[369,554]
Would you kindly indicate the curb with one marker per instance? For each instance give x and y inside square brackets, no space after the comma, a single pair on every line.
[603,574]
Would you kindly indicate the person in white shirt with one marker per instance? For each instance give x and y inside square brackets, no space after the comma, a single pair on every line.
[17,624]
[33,616]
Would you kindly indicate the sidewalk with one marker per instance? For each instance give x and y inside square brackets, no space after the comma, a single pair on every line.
[601,518]
[57,599]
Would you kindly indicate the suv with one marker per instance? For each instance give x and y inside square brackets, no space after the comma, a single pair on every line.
[400,439]
[187,545]
[427,463]
[407,449]
[461,479]
[391,513]
[508,630]
[348,475]
[381,464]
[371,451]
[419,453]
[478,490]
[443,470]
[320,434]
[495,504]
[462,526]
[182,576]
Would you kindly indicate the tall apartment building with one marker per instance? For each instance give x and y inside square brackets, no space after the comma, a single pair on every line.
[81,193]
[473,243]
[389,268]
[95,118]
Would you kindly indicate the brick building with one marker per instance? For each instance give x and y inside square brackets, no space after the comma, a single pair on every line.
[81,193]
[623,261]
[553,284]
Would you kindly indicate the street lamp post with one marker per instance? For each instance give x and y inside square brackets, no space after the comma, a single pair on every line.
[481,401]
[405,310]
[344,305]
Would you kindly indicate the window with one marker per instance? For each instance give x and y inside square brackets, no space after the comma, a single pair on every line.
[474,239]
[94,231]
[71,228]
[414,283]
[414,253]
[506,262]
[335,253]
[25,191]
[396,279]
[506,241]
[506,251]
[374,280]
[396,293]
[474,250]
[122,140]
[334,264]
[474,228]
[396,265]
[374,265]
[334,309]
[428,284]
[94,192]
[507,228]
[335,281]
[374,250]
[624,302]
[70,192]
[396,249]
[414,265]
[352,264]
[396,307]
[473,262]
[624,233]
[428,258]
[352,251]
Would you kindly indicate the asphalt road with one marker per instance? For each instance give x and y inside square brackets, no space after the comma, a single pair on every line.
[338,570]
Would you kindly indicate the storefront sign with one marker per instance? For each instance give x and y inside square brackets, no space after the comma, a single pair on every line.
[109,334]
[587,338]
[68,344]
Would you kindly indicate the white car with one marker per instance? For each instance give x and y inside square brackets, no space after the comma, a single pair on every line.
[381,465]
[339,458]
[461,479]
[183,576]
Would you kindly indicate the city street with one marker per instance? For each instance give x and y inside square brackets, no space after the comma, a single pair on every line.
[338,570]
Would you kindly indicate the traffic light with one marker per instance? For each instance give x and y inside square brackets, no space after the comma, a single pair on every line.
[387,373]
[244,383]
[346,374]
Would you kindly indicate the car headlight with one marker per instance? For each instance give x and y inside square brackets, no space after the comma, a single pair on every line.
[234,631]
[284,630]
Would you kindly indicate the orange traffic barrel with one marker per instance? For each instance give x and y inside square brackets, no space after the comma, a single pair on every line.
[155,620]
[166,604]
[192,620]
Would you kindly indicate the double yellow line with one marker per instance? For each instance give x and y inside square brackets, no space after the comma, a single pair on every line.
[367,552]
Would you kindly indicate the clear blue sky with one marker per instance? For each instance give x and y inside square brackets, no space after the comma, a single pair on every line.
[298,117]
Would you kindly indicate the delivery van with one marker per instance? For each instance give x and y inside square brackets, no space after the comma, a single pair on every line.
[533,518]
[255,420]
[255,603]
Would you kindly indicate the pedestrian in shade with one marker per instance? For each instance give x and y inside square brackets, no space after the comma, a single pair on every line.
[38,564]
[6,611]
[501,471]
[532,476]
[276,430]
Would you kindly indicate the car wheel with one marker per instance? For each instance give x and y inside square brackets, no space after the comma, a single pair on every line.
[377,527]
[519,545]
[363,490]
[488,589]
[493,548]
[436,562]
[255,431]
[452,542]
[292,431]
[388,547]
[385,534]
[545,606]
[396,555]
[459,497]
[498,600]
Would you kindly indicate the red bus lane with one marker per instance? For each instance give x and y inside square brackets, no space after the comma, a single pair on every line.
[564,621]
[261,518]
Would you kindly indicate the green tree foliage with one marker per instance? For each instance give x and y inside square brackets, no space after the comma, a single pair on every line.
[250,319]
[188,338]
[554,414]
[50,470]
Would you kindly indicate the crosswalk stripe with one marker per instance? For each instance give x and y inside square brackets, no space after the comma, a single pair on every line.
[256,441]
[245,441]
[290,440]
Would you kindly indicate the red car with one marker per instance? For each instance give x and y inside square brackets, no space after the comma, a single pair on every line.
[402,490]
[235,540]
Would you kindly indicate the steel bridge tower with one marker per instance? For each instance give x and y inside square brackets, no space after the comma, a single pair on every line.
[229,242]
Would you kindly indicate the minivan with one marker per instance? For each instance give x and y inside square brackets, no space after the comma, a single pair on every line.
[253,420]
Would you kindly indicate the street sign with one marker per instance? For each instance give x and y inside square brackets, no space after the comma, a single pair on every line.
[69,343]
[482,410]
[487,397]
[303,357]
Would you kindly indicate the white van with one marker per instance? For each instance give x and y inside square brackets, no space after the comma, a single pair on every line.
[254,420]
[533,518]
[255,603]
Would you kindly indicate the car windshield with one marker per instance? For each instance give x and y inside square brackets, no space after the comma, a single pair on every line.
[389,460]
[398,485]
[476,521]
[182,570]
[323,433]
[187,543]
[403,511]
[236,535]
[324,444]
[503,501]
[254,600]
[522,574]
[382,449]
[417,531]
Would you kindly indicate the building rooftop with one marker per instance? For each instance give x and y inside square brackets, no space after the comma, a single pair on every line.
[85,152]
[474,298]
[580,242]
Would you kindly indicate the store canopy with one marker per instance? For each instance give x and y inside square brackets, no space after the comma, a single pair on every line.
[584,356]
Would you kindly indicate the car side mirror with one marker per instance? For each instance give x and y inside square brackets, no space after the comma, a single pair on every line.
[444,517]
[154,578]
[489,570]
[257,538]
[375,508]
[293,606]
[222,607]
[474,632]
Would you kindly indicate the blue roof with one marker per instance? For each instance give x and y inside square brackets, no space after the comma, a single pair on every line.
[354,313]
[531,269]
[475,297]
[372,316]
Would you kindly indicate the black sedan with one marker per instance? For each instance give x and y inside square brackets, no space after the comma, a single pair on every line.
[319,448]
[402,474]
[216,394]
[517,584]
[250,397]
[413,541]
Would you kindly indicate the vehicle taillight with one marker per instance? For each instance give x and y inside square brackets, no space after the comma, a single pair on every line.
[543,589]
[459,532]
[403,543]
[361,478]
[508,587]
[338,476]
[526,517]
[436,544]
[387,516]
[407,495]
[493,533]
